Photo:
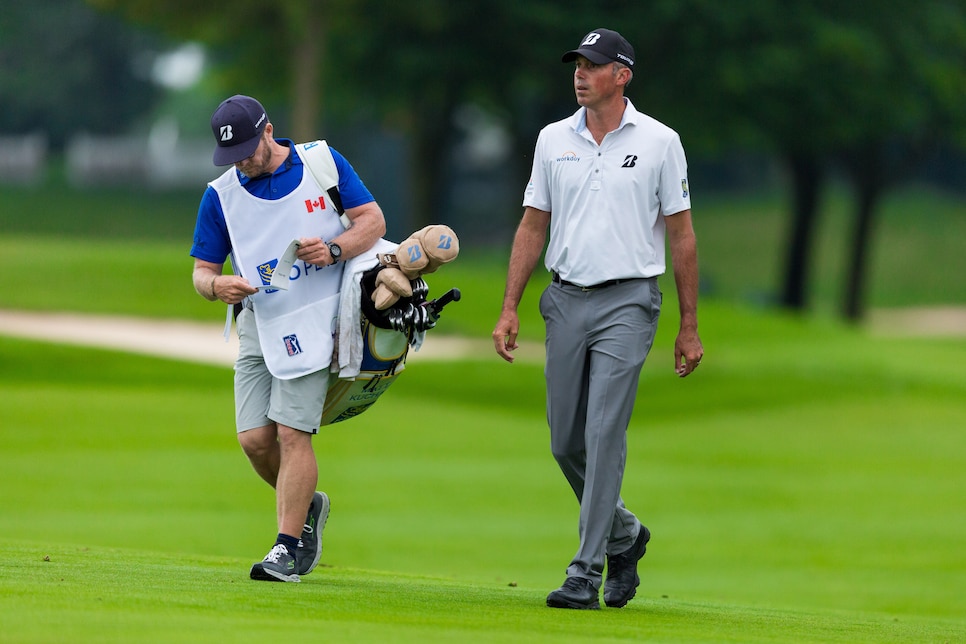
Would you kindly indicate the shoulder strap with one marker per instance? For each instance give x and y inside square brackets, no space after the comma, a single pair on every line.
[317,157]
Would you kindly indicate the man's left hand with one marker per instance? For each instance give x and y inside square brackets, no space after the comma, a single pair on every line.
[314,250]
[687,352]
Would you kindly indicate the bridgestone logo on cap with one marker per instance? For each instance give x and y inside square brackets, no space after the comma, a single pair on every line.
[226,133]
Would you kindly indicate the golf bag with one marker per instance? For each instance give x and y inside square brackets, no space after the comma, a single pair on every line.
[387,337]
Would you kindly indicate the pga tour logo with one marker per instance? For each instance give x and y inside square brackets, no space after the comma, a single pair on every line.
[292,345]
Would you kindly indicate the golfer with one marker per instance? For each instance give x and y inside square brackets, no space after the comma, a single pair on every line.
[611,184]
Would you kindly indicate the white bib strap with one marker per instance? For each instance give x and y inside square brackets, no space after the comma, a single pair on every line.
[318,159]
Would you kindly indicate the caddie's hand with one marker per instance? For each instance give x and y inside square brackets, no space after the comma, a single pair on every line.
[687,352]
[505,334]
[314,250]
[232,289]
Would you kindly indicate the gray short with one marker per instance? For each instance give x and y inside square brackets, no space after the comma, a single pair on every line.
[262,399]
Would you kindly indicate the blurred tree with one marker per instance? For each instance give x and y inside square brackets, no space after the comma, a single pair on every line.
[752,79]
[862,84]
[868,85]
[64,70]
[411,64]
[912,61]
[275,51]
[423,60]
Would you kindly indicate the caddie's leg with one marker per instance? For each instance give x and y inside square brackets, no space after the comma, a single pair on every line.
[263,451]
[297,479]
[296,407]
[257,433]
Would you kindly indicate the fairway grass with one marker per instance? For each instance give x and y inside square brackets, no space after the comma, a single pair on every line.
[81,594]
[805,486]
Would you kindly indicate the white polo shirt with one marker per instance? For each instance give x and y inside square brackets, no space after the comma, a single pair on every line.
[608,202]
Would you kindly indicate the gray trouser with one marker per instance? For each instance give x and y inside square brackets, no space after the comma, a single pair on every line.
[596,344]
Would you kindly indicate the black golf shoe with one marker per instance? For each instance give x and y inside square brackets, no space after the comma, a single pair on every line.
[576,592]
[622,578]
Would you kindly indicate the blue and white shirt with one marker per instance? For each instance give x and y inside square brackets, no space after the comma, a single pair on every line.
[254,221]
[211,240]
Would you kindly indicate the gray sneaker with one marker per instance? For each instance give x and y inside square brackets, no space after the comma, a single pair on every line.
[310,544]
[278,565]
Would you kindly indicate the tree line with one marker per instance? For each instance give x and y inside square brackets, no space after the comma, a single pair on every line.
[865,87]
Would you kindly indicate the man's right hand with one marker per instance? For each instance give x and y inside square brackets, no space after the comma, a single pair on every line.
[232,289]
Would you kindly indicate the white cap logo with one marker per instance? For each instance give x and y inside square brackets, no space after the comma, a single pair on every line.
[226,133]
[590,40]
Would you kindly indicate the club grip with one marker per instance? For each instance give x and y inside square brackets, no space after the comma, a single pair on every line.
[435,307]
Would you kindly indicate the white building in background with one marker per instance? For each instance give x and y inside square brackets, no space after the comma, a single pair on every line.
[160,159]
[23,159]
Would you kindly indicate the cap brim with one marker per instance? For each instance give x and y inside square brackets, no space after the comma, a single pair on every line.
[232,154]
[593,56]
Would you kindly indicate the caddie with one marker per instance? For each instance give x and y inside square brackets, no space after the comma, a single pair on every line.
[251,213]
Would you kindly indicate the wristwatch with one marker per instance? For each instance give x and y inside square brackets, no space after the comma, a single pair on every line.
[335,250]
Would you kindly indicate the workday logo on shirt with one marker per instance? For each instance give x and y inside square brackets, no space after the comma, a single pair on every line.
[567,156]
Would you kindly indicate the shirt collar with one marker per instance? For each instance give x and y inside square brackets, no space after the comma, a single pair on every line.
[292,160]
[579,119]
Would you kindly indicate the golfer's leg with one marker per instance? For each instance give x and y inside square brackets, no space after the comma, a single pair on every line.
[565,374]
[617,353]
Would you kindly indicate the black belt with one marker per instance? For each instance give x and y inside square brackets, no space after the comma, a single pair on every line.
[238,306]
[556,278]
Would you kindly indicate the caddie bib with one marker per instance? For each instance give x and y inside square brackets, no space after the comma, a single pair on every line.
[296,328]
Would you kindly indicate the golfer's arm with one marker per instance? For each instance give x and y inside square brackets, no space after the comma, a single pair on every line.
[684,258]
[527,249]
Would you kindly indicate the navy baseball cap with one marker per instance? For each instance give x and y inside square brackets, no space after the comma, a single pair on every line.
[602,46]
[237,124]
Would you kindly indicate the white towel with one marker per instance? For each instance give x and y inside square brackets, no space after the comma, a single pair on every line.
[350,310]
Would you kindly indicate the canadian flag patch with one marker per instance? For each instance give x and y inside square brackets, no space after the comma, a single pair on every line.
[312,204]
